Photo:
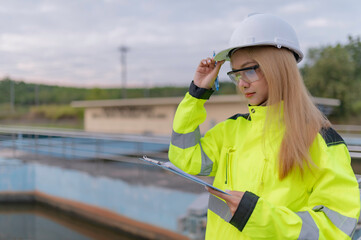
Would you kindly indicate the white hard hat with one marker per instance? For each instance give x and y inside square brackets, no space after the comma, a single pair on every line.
[262,30]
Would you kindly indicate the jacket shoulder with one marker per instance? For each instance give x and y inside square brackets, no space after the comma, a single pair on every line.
[331,137]
[238,115]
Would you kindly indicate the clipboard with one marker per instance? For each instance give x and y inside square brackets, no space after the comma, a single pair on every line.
[170,167]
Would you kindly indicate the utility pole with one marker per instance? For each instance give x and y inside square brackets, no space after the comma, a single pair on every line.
[36,95]
[123,50]
[146,90]
[12,96]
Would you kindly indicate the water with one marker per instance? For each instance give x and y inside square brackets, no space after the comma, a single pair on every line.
[35,221]
[81,148]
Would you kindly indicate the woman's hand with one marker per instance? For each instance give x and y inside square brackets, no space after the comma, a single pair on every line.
[232,200]
[206,73]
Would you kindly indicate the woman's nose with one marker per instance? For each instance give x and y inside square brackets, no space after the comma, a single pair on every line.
[243,84]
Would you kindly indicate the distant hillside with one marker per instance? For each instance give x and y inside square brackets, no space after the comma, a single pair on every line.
[29,94]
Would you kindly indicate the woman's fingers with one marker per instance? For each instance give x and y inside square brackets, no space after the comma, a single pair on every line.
[207,62]
[218,194]
[206,73]
[208,65]
[219,64]
[232,200]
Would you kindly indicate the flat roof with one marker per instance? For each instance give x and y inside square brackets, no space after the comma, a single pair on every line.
[326,101]
[176,100]
[152,101]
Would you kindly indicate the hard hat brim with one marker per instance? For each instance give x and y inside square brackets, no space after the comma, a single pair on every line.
[224,55]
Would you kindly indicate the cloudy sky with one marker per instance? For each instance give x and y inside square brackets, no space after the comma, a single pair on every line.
[76,42]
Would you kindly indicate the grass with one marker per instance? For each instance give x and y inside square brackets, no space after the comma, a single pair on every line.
[49,116]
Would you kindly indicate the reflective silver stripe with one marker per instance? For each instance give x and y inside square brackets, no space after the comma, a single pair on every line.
[309,228]
[207,164]
[345,224]
[191,139]
[219,207]
[186,140]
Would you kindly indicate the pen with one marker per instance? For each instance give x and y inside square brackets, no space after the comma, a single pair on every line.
[216,83]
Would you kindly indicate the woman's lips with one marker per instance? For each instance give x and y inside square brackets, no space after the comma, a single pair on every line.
[248,95]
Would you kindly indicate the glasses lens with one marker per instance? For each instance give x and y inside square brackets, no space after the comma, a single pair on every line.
[235,77]
[250,75]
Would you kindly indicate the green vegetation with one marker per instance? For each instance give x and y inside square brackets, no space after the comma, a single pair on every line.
[335,72]
[29,94]
[56,112]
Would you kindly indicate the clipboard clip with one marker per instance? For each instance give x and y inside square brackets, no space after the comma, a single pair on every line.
[151,160]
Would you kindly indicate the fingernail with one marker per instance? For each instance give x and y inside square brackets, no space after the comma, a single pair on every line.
[209,61]
[204,62]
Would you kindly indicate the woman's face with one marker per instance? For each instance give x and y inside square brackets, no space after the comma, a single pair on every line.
[255,92]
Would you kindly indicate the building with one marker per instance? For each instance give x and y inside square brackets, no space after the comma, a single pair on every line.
[154,116]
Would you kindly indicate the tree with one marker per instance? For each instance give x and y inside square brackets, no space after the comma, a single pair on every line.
[96,94]
[333,72]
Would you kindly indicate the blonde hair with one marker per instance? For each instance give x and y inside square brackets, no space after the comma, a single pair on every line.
[301,118]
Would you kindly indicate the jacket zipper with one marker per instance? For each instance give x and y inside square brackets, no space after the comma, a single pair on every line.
[261,183]
[228,166]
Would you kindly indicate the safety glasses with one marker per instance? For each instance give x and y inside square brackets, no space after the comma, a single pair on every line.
[247,74]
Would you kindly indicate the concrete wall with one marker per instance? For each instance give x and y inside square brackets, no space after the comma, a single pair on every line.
[130,120]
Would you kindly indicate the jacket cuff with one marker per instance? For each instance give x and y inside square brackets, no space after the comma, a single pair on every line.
[200,93]
[244,210]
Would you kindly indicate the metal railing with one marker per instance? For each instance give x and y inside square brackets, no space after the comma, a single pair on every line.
[79,144]
[76,144]
[355,129]
[352,136]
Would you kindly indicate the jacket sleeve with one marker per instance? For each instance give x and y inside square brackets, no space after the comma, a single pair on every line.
[332,209]
[188,150]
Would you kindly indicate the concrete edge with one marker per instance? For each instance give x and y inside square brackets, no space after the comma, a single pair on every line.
[93,214]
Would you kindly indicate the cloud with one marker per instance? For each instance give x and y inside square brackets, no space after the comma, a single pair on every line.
[318,22]
[300,7]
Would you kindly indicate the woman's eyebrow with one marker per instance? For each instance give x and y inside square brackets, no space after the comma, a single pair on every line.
[244,65]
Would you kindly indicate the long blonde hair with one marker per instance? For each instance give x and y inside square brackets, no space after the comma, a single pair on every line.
[301,118]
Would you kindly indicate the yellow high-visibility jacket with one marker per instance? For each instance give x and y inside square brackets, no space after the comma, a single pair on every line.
[323,204]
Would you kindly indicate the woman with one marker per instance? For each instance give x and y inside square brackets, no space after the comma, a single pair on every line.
[287,171]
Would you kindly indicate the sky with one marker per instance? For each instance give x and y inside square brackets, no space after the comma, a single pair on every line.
[76,42]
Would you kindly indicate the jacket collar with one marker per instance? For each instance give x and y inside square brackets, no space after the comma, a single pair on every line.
[258,113]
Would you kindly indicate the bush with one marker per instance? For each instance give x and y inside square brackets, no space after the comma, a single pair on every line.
[56,112]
